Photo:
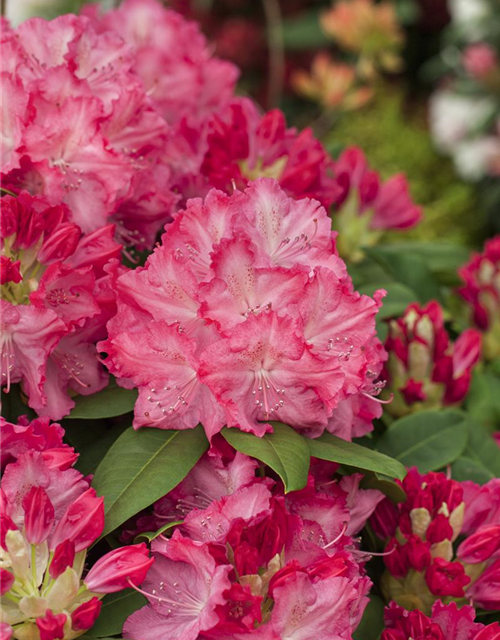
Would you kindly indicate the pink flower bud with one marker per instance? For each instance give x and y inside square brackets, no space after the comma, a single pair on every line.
[6,580]
[446,578]
[480,60]
[84,616]
[480,546]
[384,521]
[6,631]
[38,515]
[60,244]
[118,568]
[9,271]
[51,626]
[64,556]
[82,522]
[485,592]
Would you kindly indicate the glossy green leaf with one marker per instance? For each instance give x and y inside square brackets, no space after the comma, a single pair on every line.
[116,608]
[142,466]
[398,297]
[372,622]
[483,399]
[385,485]
[149,536]
[283,450]
[111,401]
[481,459]
[466,468]
[429,440]
[330,447]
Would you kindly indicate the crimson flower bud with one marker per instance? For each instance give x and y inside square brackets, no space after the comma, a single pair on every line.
[446,578]
[6,581]
[84,616]
[439,529]
[384,521]
[82,522]
[282,576]
[418,553]
[328,568]
[396,561]
[118,568]
[490,632]
[38,515]
[51,626]
[480,546]
[60,244]
[9,271]
[64,556]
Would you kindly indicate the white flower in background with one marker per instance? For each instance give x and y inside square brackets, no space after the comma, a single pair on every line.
[454,117]
[470,17]
[474,158]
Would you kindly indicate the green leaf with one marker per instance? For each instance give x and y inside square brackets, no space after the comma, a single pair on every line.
[483,399]
[385,485]
[429,440]
[142,466]
[408,269]
[330,447]
[440,257]
[466,468]
[372,622]
[149,536]
[398,297]
[116,608]
[111,401]
[284,450]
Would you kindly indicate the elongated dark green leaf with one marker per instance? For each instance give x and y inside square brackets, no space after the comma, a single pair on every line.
[439,256]
[466,468]
[283,450]
[116,608]
[372,622]
[386,485]
[429,440]
[483,399]
[142,466]
[111,401]
[330,447]
[149,536]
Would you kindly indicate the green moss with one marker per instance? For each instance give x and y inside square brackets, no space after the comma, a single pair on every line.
[396,140]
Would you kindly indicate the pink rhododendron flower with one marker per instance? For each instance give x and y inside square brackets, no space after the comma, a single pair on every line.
[366,206]
[172,58]
[49,519]
[256,563]
[56,311]
[446,622]
[243,314]
[81,129]
[424,369]
[422,565]
[481,290]
[480,60]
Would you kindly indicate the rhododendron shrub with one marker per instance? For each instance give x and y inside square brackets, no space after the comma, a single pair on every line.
[424,369]
[244,314]
[56,305]
[255,562]
[50,517]
[481,290]
[443,542]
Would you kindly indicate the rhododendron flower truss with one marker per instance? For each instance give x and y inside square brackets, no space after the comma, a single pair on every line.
[81,129]
[244,314]
[56,305]
[423,565]
[424,368]
[481,290]
[446,622]
[254,563]
[49,519]
[367,207]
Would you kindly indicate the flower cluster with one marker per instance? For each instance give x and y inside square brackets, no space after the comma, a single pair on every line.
[248,560]
[50,517]
[423,565]
[57,296]
[447,622]
[424,370]
[242,315]
[366,206]
[481,290]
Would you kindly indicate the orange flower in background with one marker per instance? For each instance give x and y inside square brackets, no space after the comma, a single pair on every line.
[333,84]
[367,29]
